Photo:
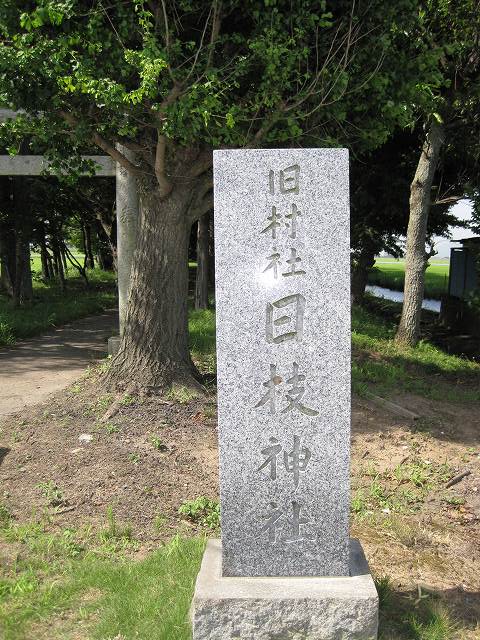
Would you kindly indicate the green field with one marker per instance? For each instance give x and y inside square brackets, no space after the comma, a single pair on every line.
[390,273]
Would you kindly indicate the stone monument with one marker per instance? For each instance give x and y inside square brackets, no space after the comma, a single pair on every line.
[285,567]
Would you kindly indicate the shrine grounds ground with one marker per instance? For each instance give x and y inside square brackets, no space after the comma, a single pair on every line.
[102,539]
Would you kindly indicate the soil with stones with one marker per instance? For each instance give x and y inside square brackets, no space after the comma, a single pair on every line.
[154,454]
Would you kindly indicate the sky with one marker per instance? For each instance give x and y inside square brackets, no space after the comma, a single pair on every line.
[463,211]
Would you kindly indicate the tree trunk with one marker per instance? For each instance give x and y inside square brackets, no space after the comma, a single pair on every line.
[57,258]
[154,348]
[7,260]
[88,247]
[22,287]
[201,280]
[46,270]
[360,272]
[408,332]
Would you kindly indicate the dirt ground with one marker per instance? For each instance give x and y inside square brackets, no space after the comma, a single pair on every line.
[154,454]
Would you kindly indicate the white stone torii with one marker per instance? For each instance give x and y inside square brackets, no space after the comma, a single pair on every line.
[127,205]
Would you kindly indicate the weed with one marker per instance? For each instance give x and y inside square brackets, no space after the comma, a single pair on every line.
[127,400]
[103,402]
[434,624]
[110,427]
[51,492]
[116,536]
[134,457]
[159,523]
[157,443]
[5,516]
[409,535]
[358,504]
[210,410]
[454,500]
[181,394]
[202,510]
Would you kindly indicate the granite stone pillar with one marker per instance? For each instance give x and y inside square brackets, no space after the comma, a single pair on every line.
[286,567]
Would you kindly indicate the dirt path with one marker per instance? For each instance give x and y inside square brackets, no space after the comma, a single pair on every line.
[33,369]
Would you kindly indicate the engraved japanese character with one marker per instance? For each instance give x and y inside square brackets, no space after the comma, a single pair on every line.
[274,223]
[295,394]
[293,261]
[296,522]
[274,262]
[289,179]
[270,395]
[297,460]
[293,215]
[296,319]
[271,454]
[271,524]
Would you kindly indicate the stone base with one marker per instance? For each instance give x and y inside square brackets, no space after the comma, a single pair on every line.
[113,345]
[297,608]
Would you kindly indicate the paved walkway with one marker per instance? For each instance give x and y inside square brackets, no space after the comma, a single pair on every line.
[33,369]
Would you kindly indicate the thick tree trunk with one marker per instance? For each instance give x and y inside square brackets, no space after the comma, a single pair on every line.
[154,349]
[416,258]
[201,280]
[360,272]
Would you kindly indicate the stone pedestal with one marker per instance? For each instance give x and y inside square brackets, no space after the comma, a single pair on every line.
[293,608]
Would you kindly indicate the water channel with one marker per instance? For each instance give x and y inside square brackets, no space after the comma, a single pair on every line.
[397,296]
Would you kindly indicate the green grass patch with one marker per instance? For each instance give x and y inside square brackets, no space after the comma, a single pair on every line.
[414,616]
[382,366]
[77,581]
[390,273]
[51,307]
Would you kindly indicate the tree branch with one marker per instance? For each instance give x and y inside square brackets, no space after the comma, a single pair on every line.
[104,144]
[163,182]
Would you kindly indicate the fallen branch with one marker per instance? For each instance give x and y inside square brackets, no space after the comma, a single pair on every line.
[457,479]
[114,408]
[394,408]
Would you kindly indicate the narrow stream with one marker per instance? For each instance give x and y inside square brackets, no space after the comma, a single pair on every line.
[397,296]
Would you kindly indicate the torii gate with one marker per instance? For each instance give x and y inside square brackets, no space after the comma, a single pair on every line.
[127,206]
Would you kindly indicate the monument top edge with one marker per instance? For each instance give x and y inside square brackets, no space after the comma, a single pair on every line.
[340,150]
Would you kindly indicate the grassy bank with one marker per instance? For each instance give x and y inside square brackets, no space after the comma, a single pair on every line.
[52,307]
[390,273]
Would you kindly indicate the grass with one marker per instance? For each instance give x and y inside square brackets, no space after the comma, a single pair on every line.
[51,307]
[414,616]
[381,366]
[390,273]
[86,584]
[70,581]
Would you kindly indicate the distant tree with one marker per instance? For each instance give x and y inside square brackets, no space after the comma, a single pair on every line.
[380,202]
[451,31]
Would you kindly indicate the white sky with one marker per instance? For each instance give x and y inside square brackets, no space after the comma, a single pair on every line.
[463,211]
